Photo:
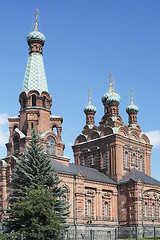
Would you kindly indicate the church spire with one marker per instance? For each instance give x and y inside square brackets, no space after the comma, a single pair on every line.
[35,77]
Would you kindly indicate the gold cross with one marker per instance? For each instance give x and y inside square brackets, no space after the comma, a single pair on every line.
[36,19]
[110,77]
[131,91]
[89,90]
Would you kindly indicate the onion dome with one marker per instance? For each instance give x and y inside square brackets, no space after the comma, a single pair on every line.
[111,97]
[132,108]
[90,108]
[36,36]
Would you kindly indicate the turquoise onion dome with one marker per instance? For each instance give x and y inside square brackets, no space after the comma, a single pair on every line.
[111,97]
[90,108]
[132,108]
[36,35]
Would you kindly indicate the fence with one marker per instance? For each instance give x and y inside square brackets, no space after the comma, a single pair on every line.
[89,234]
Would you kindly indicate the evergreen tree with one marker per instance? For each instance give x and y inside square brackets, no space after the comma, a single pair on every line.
[34,169]
[35,215]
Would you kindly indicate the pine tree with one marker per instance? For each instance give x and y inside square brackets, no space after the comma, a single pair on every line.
[34,169]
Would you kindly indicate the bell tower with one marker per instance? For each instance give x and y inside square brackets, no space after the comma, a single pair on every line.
[35,105]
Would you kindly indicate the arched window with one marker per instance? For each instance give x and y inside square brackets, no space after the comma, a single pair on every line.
[145,210]
[153,210]
[44,102]
[104,160]
[32,125]
[133,159]
[89,208]
[106,209]
[16,144]
[140,163]
[86,161]
[95,159]
[33,100]
[126,159]
[50,146]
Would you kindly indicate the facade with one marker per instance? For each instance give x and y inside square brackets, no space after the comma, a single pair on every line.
[109,186]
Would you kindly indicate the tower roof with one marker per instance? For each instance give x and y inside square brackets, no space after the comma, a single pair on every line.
[132,107]
[35,77]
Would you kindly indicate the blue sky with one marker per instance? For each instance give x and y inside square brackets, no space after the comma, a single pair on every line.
[85,40]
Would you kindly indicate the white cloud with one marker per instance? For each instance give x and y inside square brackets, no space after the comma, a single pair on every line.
[4,133]
[3,118]
[154,137]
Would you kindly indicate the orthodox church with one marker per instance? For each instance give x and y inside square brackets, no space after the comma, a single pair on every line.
[109,185]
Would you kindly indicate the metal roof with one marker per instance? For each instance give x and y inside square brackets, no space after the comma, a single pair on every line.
[89,173]
[135,175]
[35,77]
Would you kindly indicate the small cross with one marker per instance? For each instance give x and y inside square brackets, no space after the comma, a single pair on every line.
[112,82]
[131,91]
[89,90]
[36,14]
[110,77]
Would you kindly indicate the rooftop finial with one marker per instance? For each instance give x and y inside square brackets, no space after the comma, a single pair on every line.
[131,91]
[89,90]
[110,80]
[36,20]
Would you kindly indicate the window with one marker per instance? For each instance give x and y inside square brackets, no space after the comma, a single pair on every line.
[126,160]
[104,160]
[89,208]
[33,100]
[133,159]
[140,164]
[86,161]
[106,209]
[16,144]
[50,146]
[153,210]
[32,125]
[95,159]
[145,210]
[44,102]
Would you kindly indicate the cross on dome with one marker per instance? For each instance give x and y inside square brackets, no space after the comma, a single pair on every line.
[36,19]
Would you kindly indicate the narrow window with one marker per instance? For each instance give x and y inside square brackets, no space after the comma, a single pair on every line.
[140,164]
[50,146]
[126,160]
[33,100]
[104,160]
[133,159]
[86,161]
[16,144]
[89,207]
[153,210]
[32,125]
[106,209]
[44,102]
[95,159]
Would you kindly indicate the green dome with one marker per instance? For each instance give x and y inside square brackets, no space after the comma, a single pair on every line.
[36,35]
[111,97]
[132,108]
[90,108]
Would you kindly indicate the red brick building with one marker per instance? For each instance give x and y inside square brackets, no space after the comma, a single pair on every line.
[109,186]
